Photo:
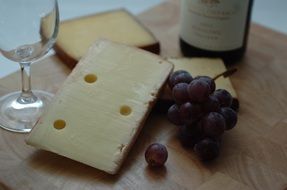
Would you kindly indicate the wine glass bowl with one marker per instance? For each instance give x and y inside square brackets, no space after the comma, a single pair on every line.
[28,28]
[28,31]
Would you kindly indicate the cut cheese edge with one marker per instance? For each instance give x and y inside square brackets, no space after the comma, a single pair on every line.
[201,66]
[97,114]
[76,36]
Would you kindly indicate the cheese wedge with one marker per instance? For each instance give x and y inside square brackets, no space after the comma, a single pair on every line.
[205,66]
[201,66]
[75,36]
[97,114]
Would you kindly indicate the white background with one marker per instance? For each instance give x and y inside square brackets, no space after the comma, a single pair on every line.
[270,13]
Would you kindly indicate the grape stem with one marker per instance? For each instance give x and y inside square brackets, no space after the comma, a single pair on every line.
[225,74]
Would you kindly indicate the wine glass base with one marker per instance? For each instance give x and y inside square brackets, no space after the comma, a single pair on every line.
[19,117]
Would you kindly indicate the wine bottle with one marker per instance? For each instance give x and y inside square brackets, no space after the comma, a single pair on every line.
[215,28]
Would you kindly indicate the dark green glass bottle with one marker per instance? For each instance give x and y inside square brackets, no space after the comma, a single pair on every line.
[215,28]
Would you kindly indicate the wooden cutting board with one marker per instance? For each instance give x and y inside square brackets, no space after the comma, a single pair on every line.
[253,155]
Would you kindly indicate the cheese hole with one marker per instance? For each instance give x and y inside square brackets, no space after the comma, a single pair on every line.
[125,110]
[59,124]
[90,78]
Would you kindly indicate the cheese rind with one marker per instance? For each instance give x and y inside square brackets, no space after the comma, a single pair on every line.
[75,36]
[104,102]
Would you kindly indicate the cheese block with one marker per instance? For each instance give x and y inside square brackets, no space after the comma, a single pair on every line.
[205,66]
[97,114]
[75,36]
[198,66]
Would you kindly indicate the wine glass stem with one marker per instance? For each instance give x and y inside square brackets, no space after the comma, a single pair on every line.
[27,95]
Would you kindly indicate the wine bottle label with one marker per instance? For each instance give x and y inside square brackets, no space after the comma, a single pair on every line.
[216,25]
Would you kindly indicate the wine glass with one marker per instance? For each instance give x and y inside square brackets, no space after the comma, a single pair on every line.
[28,30]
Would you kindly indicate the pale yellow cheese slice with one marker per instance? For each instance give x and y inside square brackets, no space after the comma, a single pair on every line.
[75,36]
[201,66]
[97,114]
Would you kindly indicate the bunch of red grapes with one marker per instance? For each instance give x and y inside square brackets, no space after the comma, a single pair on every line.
[202,113]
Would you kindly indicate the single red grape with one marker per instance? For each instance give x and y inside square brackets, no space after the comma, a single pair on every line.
[190,112]
[230,117]
[211,105]
[179,76]
[173,115]
[210,82]
[156,155]
[198,91]
[224,97]
[207,149]
[189,135]
[235,104]
[213,124]
[179,93]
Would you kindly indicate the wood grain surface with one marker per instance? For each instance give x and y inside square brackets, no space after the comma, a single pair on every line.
[253,155]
